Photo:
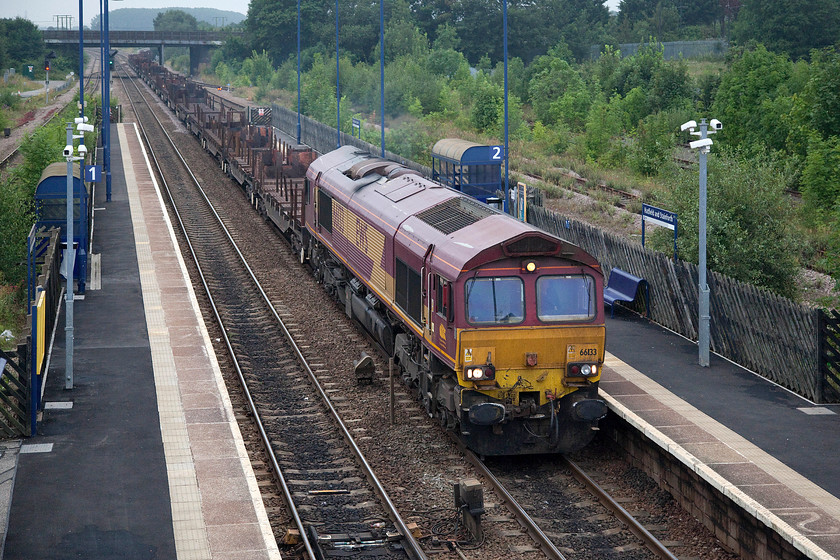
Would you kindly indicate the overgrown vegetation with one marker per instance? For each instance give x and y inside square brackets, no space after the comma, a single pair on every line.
[17,189]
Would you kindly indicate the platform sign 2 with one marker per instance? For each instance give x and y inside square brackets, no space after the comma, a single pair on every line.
[93,173]
[357,127]
[660,217]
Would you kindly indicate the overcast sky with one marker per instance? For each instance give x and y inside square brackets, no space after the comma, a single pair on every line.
[43,12]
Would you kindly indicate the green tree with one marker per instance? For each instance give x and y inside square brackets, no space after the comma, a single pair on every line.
[822,93]
[603,127]
[175,20]
[821,178]
[791,27]
[23,42]
[550,84]
[747,93]
[488,104]
[748,220]
[272,26]
[259,70]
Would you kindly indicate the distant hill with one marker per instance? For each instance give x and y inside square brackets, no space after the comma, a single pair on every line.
[141,19]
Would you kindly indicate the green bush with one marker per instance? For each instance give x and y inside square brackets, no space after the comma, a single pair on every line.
[748,220]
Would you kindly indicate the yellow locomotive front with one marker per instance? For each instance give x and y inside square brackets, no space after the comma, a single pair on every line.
[529,356]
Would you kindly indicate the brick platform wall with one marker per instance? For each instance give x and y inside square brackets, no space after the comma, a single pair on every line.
[737,530]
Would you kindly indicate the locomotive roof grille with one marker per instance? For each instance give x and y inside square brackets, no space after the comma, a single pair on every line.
[454,214]
[531,245]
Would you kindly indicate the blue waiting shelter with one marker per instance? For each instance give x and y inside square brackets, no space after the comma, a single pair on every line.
[51,211]
[474,169]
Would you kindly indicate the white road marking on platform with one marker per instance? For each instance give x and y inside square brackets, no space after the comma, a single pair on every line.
[36,448]
[815,410]
[58,405]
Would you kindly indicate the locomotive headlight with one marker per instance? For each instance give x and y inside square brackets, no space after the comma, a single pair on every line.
[582,370]
[480,373]
[529,267]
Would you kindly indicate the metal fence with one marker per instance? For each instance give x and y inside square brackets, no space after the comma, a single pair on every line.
[672,49]
[769,334]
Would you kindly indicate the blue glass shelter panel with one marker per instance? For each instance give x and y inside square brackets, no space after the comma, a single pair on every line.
[474,169]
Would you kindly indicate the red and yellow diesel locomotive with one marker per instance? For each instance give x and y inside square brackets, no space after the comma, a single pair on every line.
[499,325]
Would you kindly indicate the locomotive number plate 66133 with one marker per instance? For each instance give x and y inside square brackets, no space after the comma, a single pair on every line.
[581,352]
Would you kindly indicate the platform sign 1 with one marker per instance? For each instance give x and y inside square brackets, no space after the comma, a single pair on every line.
[357,127]
[660,217]
[93,173]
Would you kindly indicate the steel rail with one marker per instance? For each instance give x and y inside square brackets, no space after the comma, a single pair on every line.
[652,543]
[543,542]
[278,472]
[540,538]
[413,547]
[5,161]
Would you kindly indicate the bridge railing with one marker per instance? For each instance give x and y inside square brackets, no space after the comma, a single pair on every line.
[167,37]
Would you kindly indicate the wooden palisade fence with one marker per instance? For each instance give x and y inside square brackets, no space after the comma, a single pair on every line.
[788,343]
[19,380]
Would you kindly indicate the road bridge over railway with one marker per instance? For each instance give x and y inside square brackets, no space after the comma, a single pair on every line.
[199,42]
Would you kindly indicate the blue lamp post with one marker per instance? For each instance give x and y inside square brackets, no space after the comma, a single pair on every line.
[382,69]
[298,71]
[505,42]
[337,85]
[106,104]
[81,63]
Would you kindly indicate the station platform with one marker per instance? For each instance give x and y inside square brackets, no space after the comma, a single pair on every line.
[772,452]
[142,458]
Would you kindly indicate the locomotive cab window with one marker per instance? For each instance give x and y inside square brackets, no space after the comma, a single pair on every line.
[495,301]
[566,298]
[443,298]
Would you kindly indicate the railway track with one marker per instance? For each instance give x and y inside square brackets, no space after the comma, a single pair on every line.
[422,489]
[333,497]
[91,86]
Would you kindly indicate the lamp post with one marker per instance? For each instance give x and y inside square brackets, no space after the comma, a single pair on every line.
[704,318]
[298,71]
[382,71]
[106,105]
[337,84]
[507,160]
[81,63]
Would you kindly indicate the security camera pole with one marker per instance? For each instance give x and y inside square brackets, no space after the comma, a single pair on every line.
[704,318]
[69,262]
